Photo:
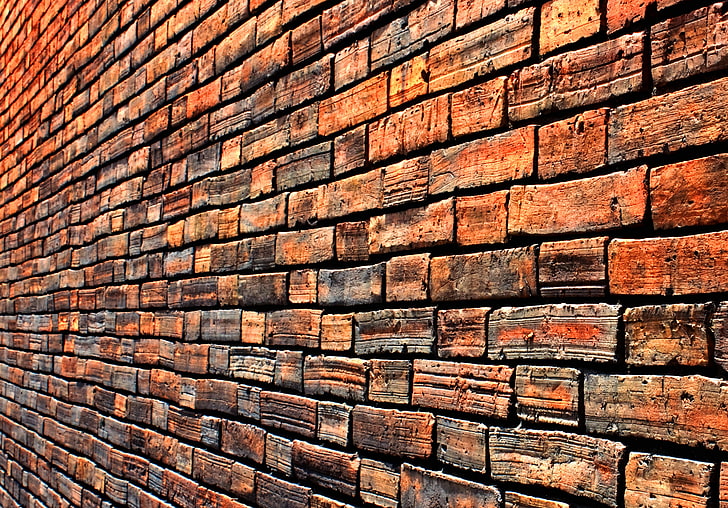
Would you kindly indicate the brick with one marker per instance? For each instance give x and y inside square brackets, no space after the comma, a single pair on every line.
[264,140]
[305,247]
[304,84]
[333,423]
[723,493]
[689,193]
[408,81]
[516,500]
[262,289]
[683,410]
[564,22]
[690,44]
[279,454]
[302,286]
[303,166]
[337,332]
[599,203]
[573,268]
[649,128]
[289,370]
[221,325]
[579,78]
[293,328]
[269,23]
[258,68]
[326,468]
[668,266]
[585,332]
[400,433]
[191,358]
[271,492]
[414,128]
[479,108]
[462,444]
[486,161]
[482,51]
[477,389]
[548,394]
[428,489]
[351,63]
[719,327]
[243,440]
[580,465]
[318,501]
[263,215]
[405,182]
[482,219]
[575,145]
[253,364]
[674,334]
[363,102]
[237,44]
[394,331]
[351,286]
[350,195]
[624,13]
[338,376]
[408,34]
[389,381]
[412,229]
[462,332]
[306,40]
[350,17]
[290,413]
[509,273]
[470,11]
[350,150]
[658,480]
[379,483]
[407,278]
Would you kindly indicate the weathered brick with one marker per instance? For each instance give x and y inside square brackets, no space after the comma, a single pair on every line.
[333,422]
[482,219]
[580,465]
[667,266]
[306,40]
[579,78]
[586,332]
[573,267]
[400,433]
[462,444]
[304,84]
[471,11]
[262,289]
[271,492]
[263,215]
[243,440]
[684,410]
[719,328]
[389,381]
[293,327]
[394,331]
[305,247]
[302,286]
[337,332]
[350,17]
[428,489]
[658,480]
[326,468]
[689,193]
[516,500]
[307,165]
[599,203]
[485,161]
[507,273]
[564,22]
[379,483]
[478,389]
[548,394]
[405,182]
[412,229]
[338,376]
[479,108]
[289,370]
[351,63]
[351,286]
[408,81]
[290,413]
[279,454]
[350,150]
[362,102]
[407,278]
[253,364]
[462,332]
[667,335]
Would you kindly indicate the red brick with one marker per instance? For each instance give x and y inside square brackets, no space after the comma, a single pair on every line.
[462,444]
[479,108]
[352,241]
[481,219]
[592,204]
[573,267]
[326,468]
[408,81]
[293,327]
[307,246]
[407,278]
[350,150]
[400,433]
[394,331]
[624,13]
[548,394]
[337,332]
[350,17]
[471,11]
[243,440]
[338,376]
[564,22]
[379,483]
[428,489]
[302,286]
[412,229]
[462,332]
[351,63]
[362,102]
[406,181]
[306,40]
[389,381]
[290,413]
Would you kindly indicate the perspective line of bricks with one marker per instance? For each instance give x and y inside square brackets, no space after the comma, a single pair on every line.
[364,253]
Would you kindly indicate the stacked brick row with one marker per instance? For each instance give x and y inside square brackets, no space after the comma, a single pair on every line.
[308,253]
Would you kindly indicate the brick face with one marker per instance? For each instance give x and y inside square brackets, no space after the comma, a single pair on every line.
[342,253]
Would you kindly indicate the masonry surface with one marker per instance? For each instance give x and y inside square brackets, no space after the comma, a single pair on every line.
[381,253]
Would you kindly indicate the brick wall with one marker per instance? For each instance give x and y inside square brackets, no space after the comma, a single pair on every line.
[322,253]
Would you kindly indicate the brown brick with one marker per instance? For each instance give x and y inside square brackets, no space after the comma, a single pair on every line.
[482,51]
[407,278]
[290,413]
[237,44]
[337,332]
[304,247]
[599,203]
[279,454]
[337,376]
[350,17]
[516,500]
[350,195]
[485,161]
[289,370]
[649,128]
[683,410]
[429,489]
[351,286]
[408,81]
[689,193]
[400,433]
[362,102]
[462,332]
[548,394]
[191,358]
[350,150]
[406,181]
[462,444]
[586,332]
[564,22]
[581,465]
[351,63]
[573,267]
[243,440]
[482,219]
[679,266]
[331,469]
[477,389]
[253,364]
[470,11]
[293,327]
[579,78]
[575,145]
[302,286]
[379,483]
[262,289]
[412,229]
[665,481]
[306,40]
[271,492]
[304,84]
[319,501]
[307,165]
[479,108]
[723,494]
[497,274]
[412,129]
[624,13]
[263,215]
[394,331]
[389,381]
[719,327]
[333,423]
